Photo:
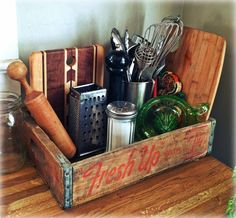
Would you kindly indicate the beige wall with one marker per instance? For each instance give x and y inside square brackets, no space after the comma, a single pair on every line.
[49,24]
[8,43]
[218,17]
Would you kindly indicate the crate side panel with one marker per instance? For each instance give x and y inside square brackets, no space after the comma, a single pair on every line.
[44,153]
[111,171]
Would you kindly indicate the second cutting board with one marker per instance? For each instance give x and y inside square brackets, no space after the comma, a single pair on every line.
[54,72]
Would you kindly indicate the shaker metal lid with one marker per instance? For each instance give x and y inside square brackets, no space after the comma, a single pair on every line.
[121,109]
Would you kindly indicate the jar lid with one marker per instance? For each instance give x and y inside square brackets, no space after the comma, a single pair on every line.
[121,109]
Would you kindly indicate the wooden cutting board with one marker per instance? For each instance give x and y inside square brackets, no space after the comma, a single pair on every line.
[198,62]
[54,71]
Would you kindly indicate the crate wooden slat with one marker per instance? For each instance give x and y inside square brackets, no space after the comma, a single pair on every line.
[198,62]
[114,170]
[46,158]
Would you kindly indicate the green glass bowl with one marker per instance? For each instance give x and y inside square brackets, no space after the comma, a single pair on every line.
[166,113]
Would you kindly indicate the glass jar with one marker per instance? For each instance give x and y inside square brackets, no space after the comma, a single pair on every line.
[120,124]
[12,151]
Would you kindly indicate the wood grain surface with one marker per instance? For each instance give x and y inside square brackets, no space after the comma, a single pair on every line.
[201,188]
[198,62]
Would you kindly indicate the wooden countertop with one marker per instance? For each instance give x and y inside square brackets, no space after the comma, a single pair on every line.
[200,188]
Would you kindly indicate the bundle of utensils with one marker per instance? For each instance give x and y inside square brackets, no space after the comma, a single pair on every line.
[147,53]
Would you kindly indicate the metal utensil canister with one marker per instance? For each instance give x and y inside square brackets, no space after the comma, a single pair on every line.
[120,124]
[138,92]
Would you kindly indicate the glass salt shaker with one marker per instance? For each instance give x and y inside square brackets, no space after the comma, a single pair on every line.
[12,151]
[120,124]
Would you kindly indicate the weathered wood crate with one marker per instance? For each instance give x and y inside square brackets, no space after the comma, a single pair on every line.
[198,62]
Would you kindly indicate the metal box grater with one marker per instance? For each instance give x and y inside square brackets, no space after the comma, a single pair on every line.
[87,120]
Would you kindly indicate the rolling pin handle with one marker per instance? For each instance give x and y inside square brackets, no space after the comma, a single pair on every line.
[18,71]
[26,86]
[41,110]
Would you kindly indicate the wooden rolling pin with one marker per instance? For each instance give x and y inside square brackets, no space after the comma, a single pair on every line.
[41,110]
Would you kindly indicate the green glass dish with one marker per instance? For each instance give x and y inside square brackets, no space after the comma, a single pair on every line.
[166,113]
